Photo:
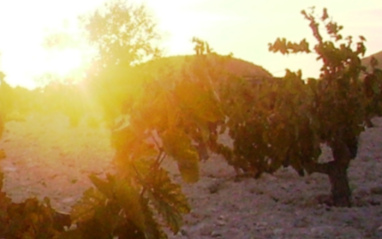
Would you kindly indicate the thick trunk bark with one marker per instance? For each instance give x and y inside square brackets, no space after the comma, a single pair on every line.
[337,172]
[340,190]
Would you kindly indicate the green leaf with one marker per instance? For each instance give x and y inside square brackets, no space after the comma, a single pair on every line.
[175,142]
[130,200]
[200,100]
[189,166]
[168,199]
[103,186]
[85,208]
[122,137]
[178,145]
[136,208]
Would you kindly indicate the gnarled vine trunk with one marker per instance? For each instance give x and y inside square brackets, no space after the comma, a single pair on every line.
[337,173]
[341,193]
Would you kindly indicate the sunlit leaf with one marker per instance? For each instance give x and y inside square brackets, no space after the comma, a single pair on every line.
[121,138]
[168,199]
[199,100]
[178,145]
[85,208]
[105,187]
[188,166]
[175,142]
[130,200]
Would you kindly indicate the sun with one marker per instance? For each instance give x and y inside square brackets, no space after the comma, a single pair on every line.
[65,62]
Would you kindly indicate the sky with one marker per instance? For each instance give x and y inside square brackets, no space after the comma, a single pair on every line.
[241,27]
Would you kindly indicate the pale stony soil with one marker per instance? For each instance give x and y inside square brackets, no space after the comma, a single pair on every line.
[45,157]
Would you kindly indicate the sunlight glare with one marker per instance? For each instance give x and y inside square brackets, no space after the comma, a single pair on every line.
[63,62]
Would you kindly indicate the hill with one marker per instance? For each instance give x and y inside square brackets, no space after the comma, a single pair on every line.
[228,65]
[378,56]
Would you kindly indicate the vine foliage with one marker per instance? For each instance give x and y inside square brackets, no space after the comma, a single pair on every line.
[277,122]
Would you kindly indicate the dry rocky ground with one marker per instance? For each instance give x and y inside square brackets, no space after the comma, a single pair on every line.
[46,157]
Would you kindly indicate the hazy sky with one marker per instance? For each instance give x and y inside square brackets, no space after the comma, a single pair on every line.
[241,27]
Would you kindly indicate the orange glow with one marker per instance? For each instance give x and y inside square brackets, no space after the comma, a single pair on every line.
[242,27]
